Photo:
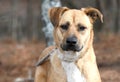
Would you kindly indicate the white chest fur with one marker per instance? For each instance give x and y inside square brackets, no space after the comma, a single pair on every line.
[72,72]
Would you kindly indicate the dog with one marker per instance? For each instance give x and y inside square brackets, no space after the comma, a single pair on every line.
[72,58]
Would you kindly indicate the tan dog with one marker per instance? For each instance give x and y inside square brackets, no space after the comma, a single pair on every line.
[72,59]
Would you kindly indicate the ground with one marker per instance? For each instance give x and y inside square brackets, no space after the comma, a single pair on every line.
[16,59]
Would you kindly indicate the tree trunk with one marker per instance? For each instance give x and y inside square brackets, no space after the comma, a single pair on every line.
[117,19]
[48,28]
[110,10]
[14,20]
[29,20]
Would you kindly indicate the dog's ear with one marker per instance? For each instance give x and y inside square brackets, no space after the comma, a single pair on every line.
[93,13]
[55,14]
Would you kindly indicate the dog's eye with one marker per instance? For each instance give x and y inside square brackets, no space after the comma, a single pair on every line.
[81,28]
[64,27]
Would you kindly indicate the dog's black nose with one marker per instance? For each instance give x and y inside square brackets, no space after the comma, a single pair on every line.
[71,40]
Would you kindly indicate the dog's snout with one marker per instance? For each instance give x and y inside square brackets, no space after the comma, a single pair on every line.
[71,40]
[71,44]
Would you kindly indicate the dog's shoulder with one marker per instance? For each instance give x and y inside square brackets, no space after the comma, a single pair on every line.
[45,54]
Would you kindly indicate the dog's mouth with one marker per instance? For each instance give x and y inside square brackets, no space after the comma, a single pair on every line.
[68,47]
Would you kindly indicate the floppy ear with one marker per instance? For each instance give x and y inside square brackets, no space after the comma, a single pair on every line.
[93,13]
[55,14]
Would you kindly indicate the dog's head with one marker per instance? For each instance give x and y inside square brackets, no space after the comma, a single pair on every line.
[73,28]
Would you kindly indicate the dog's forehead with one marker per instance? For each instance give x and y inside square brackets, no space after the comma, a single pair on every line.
[76,17]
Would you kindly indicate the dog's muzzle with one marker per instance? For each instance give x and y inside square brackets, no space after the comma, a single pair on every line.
[71,44]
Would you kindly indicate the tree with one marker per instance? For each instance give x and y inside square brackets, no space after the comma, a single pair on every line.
[48,28]
[14,20]
[110,9]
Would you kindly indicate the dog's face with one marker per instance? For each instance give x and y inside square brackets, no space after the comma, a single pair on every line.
[73,27]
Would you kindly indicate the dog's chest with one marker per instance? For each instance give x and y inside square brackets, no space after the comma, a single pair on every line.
[72,72]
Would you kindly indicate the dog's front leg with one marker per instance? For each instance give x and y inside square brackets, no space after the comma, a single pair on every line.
[40,75]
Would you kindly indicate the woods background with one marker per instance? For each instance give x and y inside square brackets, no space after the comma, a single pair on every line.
[21,19]
[22,38]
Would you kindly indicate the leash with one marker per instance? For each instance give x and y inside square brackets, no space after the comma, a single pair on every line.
[41,61]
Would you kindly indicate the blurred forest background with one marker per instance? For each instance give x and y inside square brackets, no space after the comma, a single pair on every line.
[22,38]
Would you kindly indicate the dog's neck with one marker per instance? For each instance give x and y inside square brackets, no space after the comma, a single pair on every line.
[68,56]
[72,71]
